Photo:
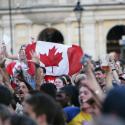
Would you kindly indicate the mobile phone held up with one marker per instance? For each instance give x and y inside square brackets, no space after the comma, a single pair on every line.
[85,59]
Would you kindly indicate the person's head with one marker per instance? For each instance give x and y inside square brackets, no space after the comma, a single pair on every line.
[72,93]
[81,79]
[60,82]
[40,74]
[22,55]
[49,89]
[4,113]
[68,95]
[41,107]
[63,98]
[59,118]
[22,89]
[108,120]
[100,76]
[89,101]
[41,70]
[5,95]
[84,94]
[114,103]
[20,120]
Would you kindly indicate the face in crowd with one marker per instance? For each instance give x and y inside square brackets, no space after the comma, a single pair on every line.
[84,96]
[62,98]
[42,72]
[59,83]
[100,76]
[87,101]
[22,55]
[21,90]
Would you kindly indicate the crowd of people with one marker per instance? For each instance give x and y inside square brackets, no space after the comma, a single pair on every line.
[93,96]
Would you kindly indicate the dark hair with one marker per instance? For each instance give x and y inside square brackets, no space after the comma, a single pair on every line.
[63,80]
[44,70]
[4,112]
[5,95]
[59,118]
[68,79]
[115,102]
[72,92]
[27,84]
[21,120]
[24,45]
[49,89]
[79,78]
[33,92]
[38,66]
[43,104]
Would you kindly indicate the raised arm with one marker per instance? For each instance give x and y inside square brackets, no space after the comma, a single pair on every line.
[13,57]
[5,53]
[92,82]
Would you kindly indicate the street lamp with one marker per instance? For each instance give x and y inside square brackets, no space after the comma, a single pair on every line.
[11,27]
[78,12]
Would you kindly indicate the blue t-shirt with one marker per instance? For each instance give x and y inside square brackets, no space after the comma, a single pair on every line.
[71,112]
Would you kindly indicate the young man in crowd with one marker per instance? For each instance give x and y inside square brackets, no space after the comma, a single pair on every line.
[43,109]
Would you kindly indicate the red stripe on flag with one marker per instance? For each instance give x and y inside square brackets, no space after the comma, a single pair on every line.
[10,67]
[75,54]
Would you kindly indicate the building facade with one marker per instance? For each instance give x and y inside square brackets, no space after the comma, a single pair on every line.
[102,25]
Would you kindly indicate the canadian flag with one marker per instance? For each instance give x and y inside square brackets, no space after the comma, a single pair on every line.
[58,59]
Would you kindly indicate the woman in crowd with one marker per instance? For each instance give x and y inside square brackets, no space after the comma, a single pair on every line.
[60,82]
[90,106]
[89,101]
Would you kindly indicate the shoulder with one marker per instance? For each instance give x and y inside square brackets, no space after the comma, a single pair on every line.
[71,112]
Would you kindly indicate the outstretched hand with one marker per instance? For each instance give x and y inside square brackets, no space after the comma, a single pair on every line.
[35,57]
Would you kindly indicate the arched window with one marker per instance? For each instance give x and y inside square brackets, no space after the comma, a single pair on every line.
[51,35]
[113,37]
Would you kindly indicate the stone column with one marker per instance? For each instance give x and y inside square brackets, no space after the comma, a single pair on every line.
[6,32]
[89,38]
[1,32]
[69,30]
[101,39]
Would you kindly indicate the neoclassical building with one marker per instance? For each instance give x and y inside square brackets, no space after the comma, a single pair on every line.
[103,23]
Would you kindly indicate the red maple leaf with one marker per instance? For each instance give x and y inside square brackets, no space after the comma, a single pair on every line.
[52,59]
